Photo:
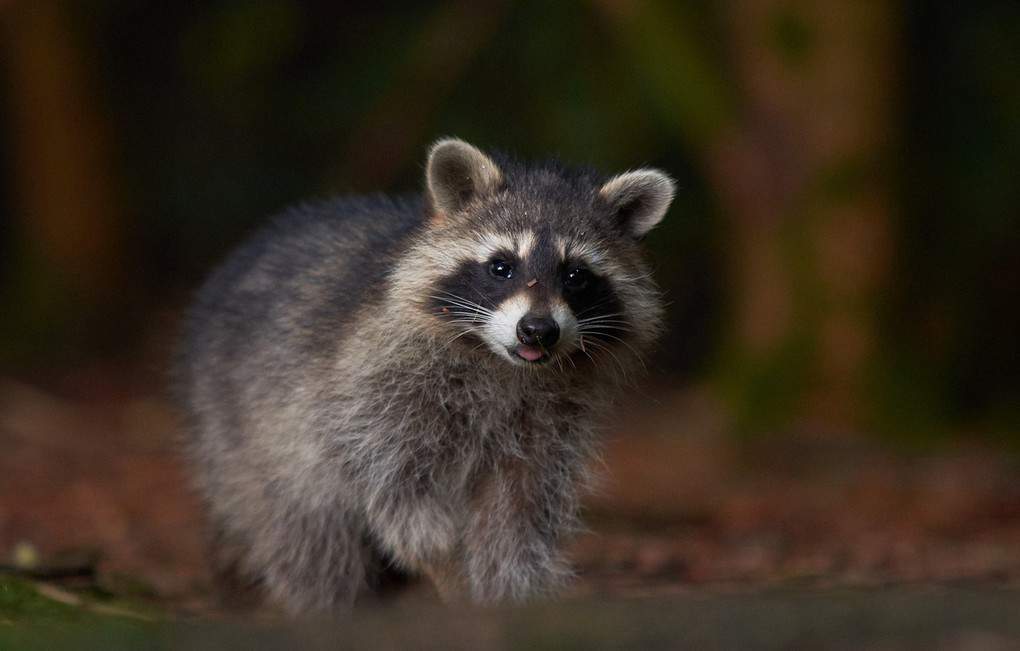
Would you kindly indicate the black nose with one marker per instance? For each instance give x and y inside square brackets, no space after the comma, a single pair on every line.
[538,331]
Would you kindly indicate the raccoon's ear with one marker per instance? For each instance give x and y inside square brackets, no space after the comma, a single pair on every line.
[456,174]
[639,199]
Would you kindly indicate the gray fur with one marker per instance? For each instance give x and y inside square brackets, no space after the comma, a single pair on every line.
[641,197]
[457,174]
[339,425]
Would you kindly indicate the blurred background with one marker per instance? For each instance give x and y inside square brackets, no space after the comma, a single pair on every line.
[838,393]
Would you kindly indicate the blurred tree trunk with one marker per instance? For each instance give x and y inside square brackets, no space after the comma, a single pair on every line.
[68,253]
[802,179]
[795,149]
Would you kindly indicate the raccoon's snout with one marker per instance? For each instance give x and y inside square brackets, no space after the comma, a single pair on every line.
[538,331]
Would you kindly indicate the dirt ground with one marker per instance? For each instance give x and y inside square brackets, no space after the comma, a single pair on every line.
[88,470]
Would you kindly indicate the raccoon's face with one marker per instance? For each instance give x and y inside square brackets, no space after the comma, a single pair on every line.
[540,265]
[531,296]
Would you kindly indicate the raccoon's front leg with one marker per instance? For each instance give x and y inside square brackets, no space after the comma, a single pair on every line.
[404,508]
[310,561]
[413,529]
[512,543]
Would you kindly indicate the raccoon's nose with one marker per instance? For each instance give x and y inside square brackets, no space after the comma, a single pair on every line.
[538,331]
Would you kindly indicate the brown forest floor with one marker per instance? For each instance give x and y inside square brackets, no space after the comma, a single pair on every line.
[88,466]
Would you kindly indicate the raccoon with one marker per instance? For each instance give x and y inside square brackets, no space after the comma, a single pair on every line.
[414,384]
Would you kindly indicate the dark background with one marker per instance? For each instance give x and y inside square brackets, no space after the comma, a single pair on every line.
[841,260]
[846,228]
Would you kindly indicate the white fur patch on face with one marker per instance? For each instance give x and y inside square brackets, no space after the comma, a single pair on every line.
[443,257]
[587,253]
[567,322]
[491,243]
[525,243]
[500,332]
[561,248]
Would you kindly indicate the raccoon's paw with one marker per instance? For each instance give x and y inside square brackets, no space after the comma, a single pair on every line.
[417,534]
[516,575]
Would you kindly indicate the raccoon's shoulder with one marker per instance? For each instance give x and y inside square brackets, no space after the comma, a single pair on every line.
[350,226]
[322,236]
[316,262]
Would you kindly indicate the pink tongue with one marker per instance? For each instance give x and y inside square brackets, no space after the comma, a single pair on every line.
[530,353]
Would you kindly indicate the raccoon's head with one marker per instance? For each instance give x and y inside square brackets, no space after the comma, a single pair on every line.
[538,263]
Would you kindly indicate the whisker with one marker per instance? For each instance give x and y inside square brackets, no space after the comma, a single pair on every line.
[465,311]
[611,318]
[459,335]
[629,347]
[478,345]
[609,351]
[610,323]
[580,340]
[460,313]
[606,326]
[603,316]
[460,301]
[479,292]
[594,306]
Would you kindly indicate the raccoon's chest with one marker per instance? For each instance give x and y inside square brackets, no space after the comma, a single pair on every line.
[493,421]
[452,422]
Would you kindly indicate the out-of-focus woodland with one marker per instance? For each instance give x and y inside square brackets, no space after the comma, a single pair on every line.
[838,393]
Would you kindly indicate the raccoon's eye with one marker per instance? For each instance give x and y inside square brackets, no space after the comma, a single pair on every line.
[501,269]
[576,279]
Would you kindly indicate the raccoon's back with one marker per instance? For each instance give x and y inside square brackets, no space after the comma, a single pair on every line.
[286,297]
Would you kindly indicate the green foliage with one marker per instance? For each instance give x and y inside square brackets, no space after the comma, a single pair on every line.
[20,602]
